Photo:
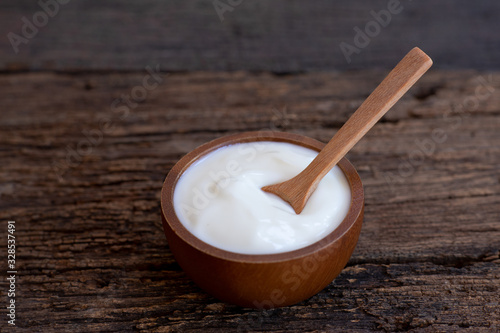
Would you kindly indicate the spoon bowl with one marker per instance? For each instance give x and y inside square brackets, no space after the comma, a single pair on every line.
[262,280]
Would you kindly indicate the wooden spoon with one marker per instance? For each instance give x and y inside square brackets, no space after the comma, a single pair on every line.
[296,191]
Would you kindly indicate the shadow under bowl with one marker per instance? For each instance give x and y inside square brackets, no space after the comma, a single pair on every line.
[262,280]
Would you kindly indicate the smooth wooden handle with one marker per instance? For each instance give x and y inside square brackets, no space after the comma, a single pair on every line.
[390,90]
[297,190]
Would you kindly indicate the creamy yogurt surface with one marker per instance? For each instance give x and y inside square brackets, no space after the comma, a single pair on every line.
[219,199]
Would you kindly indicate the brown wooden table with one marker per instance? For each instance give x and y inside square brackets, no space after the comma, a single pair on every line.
[81,173]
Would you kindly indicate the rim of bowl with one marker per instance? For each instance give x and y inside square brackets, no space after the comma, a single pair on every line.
[168,211]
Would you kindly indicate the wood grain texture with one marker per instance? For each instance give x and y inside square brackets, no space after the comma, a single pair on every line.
[92,255]
[283,36]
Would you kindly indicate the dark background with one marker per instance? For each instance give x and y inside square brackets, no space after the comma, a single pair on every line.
[278,36]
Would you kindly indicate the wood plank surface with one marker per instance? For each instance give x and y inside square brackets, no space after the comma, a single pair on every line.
[283,36]
[91,251]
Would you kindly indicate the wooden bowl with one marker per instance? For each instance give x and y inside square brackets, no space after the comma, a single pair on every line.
[264,280]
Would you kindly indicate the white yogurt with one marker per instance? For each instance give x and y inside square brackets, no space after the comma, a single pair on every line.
[219,199]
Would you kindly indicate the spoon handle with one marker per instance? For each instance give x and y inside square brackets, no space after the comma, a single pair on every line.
[296,191]
[389,91]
